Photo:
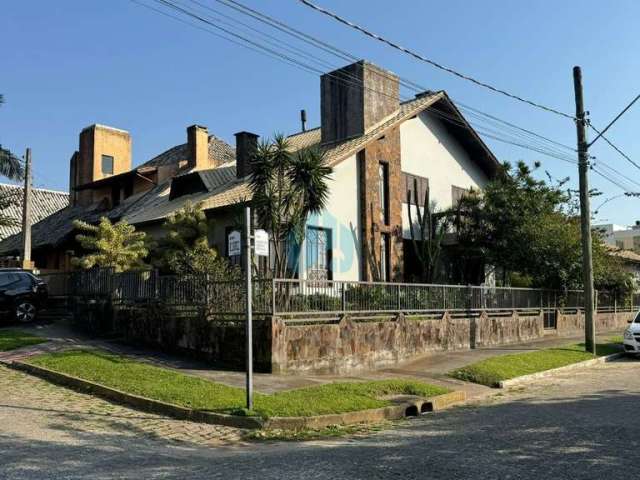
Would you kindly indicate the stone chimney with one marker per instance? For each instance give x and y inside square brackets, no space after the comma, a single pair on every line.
[246,144]
[355,98]
[198,148]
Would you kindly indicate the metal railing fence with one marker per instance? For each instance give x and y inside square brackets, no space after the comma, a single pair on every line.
[295,297]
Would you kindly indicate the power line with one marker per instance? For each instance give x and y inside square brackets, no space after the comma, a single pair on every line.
[615,119]
[516,139]
[432,62]
[624,155]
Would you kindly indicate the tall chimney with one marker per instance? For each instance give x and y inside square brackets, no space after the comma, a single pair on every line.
[198,147]
[355,98]
[246,145]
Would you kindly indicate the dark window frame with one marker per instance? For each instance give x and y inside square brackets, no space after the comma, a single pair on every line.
[383,191]
[102,164]
[328,250]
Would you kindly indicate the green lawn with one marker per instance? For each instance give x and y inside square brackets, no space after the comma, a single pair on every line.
[12,339]
[493,370]
[173,387]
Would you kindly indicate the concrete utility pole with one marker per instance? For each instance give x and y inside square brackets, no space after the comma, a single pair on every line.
[585,214]
[249,297]
[26,214]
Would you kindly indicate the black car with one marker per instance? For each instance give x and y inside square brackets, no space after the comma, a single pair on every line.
[22,294]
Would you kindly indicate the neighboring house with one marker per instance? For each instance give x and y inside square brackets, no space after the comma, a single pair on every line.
[624,238]
[376,144]
[44,203]
[630,260]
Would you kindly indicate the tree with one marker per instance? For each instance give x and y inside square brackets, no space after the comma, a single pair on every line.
[117,246]
[530,230]
[11,168]
[428,229]
[185,248]
[287,187]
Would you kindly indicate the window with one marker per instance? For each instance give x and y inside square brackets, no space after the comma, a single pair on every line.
[636,243]
[456,194]
[107,165]
[383,191]
[417,183]
[318,253]
[385,253]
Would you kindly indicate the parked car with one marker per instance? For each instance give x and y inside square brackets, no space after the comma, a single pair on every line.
[632,336]
[22,294]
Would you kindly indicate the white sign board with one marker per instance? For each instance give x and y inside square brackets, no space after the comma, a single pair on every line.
[261,245]
[235,243]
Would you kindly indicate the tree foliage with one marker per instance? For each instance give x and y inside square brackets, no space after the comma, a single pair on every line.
[287,187]
[185,249]
[528,228]
[11,168]
[117,246]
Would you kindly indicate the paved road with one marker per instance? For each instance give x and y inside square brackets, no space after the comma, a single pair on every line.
[579,426]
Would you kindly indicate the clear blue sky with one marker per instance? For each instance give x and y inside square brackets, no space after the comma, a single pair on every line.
[70,63]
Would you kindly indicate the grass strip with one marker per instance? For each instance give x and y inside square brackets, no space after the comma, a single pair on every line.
[493,370]
[171,386]
[12,339]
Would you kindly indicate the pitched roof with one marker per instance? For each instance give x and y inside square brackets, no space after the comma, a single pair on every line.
[219,152]
[45,202]
[223,188]
[629,256]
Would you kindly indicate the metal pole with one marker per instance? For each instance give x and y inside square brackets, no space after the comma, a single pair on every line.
[26,213]
[249,333]
[585,214]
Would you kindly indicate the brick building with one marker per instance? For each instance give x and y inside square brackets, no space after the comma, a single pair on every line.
[378,146]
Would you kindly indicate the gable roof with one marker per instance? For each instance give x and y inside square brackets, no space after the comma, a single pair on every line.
[44,203]
[224,189]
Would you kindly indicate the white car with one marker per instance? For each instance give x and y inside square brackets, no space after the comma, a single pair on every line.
[632,336]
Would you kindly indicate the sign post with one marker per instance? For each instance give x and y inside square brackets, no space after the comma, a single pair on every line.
[249,297]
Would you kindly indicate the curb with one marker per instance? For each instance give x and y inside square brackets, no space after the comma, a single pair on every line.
[548,373]
[394,412]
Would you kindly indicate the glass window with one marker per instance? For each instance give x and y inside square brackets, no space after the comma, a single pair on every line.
[107,165]
[383,191]
[8,279]
[456,194]
[318,253]
[385,270]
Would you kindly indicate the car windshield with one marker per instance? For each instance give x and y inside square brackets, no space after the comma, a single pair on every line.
[637,319]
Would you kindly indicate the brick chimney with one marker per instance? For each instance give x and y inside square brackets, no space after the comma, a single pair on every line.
[198,148]
[246,144]
[355,98]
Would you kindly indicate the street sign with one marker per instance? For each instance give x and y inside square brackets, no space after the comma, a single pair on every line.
[235,243]
[261,242]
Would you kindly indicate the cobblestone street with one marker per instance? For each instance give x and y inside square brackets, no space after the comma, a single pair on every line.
[575,426]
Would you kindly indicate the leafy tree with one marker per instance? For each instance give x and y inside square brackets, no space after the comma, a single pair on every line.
[531,231]
[108,245]
[11,168]
[185,248]
[287,187]
[428,229]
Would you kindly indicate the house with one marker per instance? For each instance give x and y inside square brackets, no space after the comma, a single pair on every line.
[624,238]
[44,204]
[629,258]
[379,148]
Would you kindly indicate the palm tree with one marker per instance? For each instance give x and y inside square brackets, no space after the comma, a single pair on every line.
[11,168]
[10,165]
[287,187]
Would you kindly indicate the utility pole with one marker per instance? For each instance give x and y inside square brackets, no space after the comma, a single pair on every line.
[249,297]
[585,214]
[26,213]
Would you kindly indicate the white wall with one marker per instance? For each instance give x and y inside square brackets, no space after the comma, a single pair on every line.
[428,150]
[341,215]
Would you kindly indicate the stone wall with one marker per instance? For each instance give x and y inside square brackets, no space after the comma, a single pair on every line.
[573,323]
[350,345]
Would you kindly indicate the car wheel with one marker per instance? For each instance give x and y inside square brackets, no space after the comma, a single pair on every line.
[25,312]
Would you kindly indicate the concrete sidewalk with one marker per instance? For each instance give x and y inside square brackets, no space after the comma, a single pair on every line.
[431,369]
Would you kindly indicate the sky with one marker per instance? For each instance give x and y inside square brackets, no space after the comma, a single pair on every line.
[71,63]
